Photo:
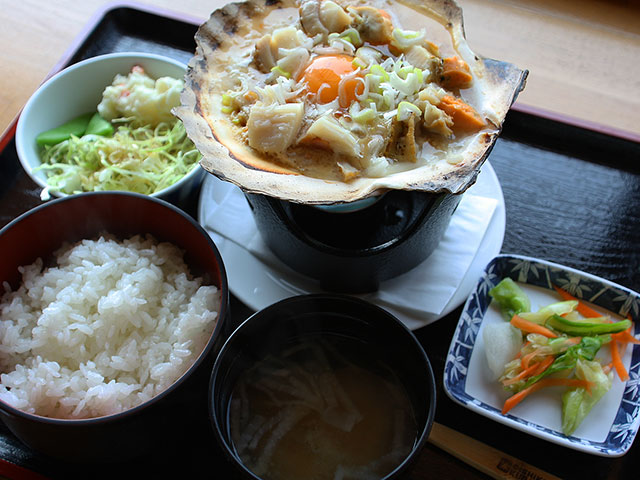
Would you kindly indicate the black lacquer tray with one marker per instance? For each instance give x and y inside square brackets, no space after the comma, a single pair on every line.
[572,196]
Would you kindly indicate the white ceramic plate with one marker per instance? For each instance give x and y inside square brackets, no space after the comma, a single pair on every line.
[259,285]
[611,426]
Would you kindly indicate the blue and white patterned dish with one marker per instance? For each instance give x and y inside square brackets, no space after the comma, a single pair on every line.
[610,428]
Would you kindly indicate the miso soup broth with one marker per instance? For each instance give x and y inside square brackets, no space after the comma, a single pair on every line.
[322,408]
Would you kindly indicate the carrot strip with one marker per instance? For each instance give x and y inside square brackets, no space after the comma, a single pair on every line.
[625,337]
[526,359]
[535,369]
[519,354]
[543,365]
[623,349]
[619,342]
[531,327]
[617,362]
[582,308]
[515,399]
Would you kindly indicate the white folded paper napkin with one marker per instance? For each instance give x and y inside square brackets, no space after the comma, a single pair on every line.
[427,288]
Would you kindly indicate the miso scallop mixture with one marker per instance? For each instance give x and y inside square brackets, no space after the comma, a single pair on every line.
[320,410]
[132,143]
[348,81]
[107,327]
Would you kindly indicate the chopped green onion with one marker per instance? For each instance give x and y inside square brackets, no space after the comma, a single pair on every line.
[352,36]
[419,75]
[227,100]
[279,71]
[380,72]
[374,82]
[406,38]
[358,63]
[405,109]
[364,116]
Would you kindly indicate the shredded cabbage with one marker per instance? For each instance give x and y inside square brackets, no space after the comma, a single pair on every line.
[137,158]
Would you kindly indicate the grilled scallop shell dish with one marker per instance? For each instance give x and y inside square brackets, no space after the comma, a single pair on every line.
[333,101]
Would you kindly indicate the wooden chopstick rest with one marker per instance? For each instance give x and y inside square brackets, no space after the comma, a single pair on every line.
[481,456]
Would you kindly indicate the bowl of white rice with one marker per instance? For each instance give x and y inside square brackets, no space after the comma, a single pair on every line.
[112,304]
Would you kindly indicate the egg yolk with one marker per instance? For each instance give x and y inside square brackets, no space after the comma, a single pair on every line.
[323,75]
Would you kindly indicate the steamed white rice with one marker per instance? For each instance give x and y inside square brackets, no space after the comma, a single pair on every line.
[108,327]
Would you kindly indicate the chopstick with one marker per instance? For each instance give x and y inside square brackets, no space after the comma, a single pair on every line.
[488,460]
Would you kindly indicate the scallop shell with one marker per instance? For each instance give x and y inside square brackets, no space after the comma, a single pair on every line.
[231,31]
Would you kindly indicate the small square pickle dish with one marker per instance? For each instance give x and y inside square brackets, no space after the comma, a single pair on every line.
[611,426]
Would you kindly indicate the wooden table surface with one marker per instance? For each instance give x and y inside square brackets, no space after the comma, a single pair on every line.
[584,70]
[582,54]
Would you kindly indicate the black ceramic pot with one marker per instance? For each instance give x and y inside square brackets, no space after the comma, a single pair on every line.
[156,424]
[272,329]
[354,251]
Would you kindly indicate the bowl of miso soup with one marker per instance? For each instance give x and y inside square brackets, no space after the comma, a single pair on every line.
[322,386]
